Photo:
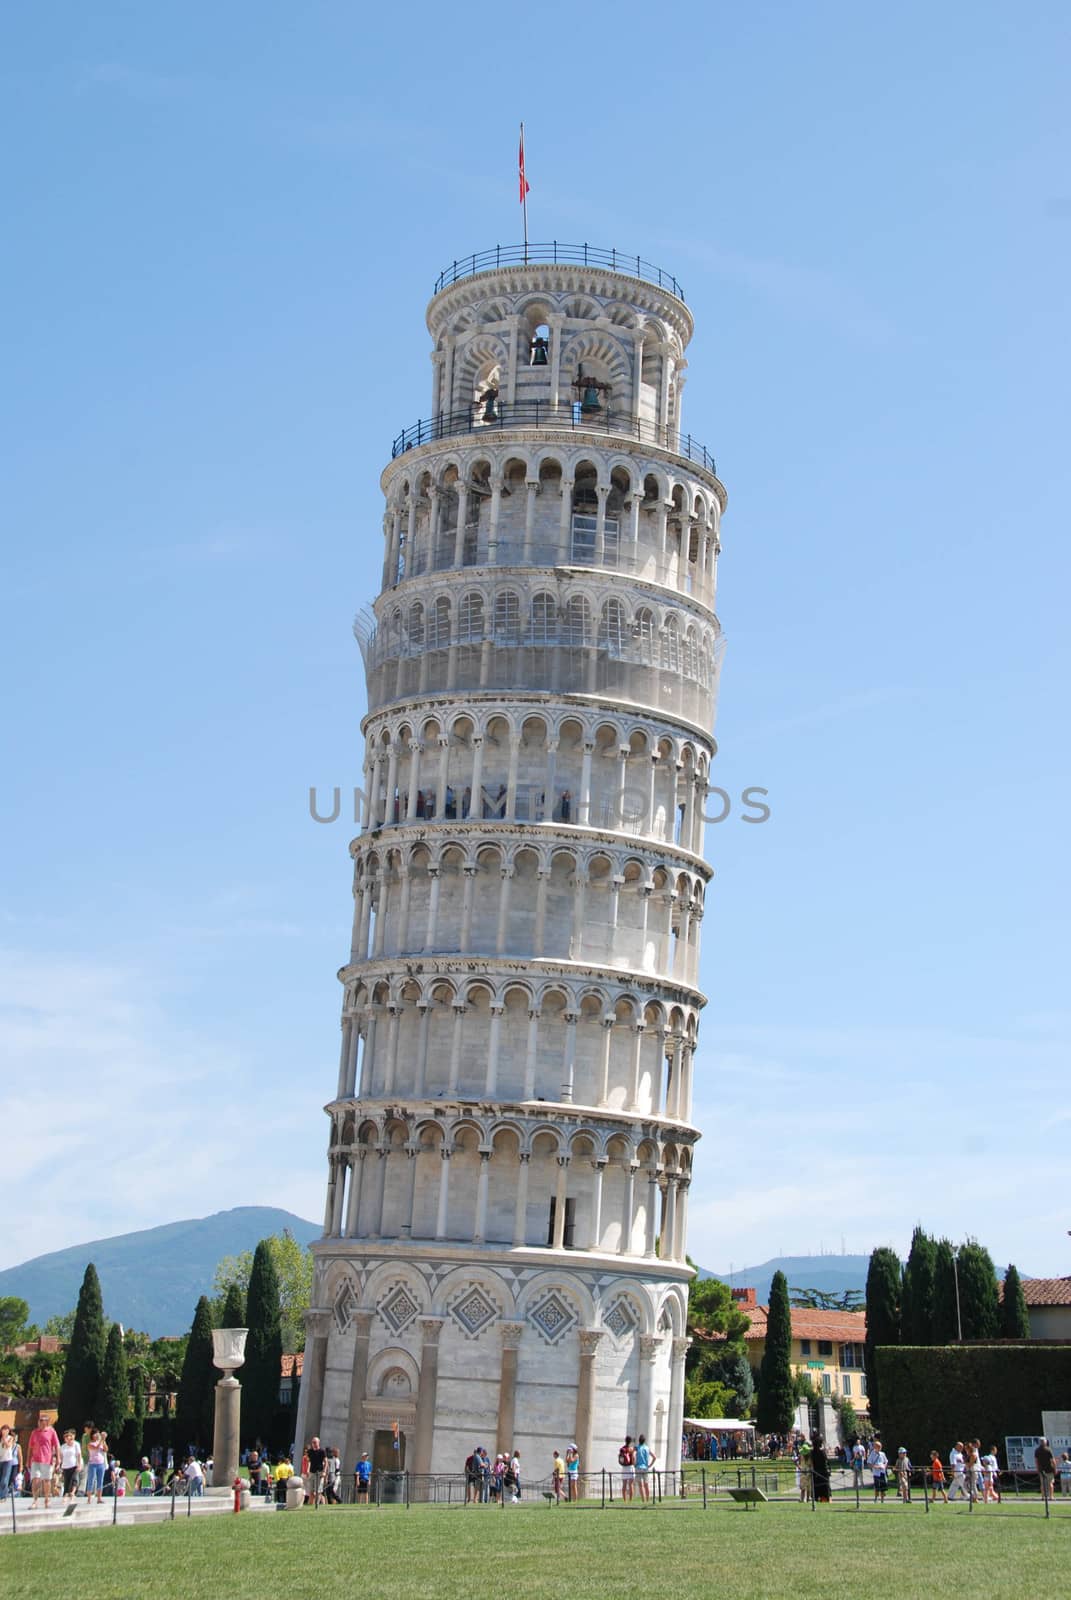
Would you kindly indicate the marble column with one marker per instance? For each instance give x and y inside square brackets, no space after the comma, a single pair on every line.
[510,1333]
[650,1344]
[676,1401]
[590,1339]
[431,1328]
[520,1205]
[314,1365]
[362,1321]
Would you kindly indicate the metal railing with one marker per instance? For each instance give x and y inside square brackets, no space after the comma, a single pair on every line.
[583,255]
[544,414]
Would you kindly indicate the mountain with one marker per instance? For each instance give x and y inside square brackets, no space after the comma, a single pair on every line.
[833,1274]
[152,1279]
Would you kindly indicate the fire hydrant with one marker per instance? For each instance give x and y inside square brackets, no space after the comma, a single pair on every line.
[238,1487]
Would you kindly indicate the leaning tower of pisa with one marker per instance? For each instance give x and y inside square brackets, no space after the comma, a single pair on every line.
[510,1151]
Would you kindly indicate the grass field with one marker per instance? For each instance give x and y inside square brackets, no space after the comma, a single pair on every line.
[576,1552]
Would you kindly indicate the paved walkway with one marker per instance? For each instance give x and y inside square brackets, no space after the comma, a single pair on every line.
[133,1509]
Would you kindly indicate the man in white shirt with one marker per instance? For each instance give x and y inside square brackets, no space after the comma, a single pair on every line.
[878,1462]
[957,1465]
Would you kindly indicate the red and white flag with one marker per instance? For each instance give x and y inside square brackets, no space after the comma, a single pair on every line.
[524,184]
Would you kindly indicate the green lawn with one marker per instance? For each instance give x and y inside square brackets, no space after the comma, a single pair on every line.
[578,1552]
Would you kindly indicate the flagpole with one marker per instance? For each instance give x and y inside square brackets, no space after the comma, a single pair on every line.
[524,197]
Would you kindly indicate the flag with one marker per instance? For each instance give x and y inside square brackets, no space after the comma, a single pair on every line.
[524,184]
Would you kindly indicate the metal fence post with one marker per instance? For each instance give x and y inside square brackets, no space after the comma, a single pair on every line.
[703,1478]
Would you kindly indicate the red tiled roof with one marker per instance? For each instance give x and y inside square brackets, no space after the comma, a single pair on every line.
[1047,1291]
[844,1327]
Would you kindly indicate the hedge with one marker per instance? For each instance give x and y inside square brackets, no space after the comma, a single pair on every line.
[932,1395]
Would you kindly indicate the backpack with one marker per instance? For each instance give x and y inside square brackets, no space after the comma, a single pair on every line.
[624,1456]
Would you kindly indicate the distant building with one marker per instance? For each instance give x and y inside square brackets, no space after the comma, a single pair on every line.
[1048,1305]
[826,1345]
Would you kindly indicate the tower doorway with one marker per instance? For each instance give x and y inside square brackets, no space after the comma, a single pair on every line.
[384,1456]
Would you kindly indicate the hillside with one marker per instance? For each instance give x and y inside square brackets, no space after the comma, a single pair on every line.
[150,1279]
[833,1274]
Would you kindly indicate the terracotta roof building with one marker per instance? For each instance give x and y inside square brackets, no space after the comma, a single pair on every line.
[827,1345]
[1048,1305]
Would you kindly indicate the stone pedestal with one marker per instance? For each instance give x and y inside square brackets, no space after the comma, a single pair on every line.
[225,1435]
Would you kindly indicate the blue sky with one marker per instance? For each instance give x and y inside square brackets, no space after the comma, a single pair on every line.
[224,224]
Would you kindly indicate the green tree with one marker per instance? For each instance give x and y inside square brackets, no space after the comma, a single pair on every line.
[112,1405]
[134,1436]
[85,1355]
[196,1395]
[825,1299]
[916,1311]
[42,1375]
[712,1308]
[945,1320]
[979,1294]
[1014,1318]
[232,1314]
[263,1350]
[776,1395]
[14,1315]
[882,1317]
[62,1327]
[293,1269]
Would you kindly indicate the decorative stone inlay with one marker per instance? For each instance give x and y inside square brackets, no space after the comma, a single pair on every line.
[473,1310]
[345,1306]
[620,1321]
[552,1317]
[398,1309]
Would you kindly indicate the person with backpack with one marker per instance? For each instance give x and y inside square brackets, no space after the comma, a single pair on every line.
[626,1460]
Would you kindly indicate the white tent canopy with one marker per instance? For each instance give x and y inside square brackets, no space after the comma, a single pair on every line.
[719,1424]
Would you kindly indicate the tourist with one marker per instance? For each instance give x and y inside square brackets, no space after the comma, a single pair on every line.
[937,1476]
[1044,1461]
[472,1476]
[626,1460]
[195,1478]
[645,1460]
[266,1482]
[71,1463]
[991,1475]
[512,1479]
[315,1478]
[9,1459]
[557,1473]
[904,1469]
[572,1471]
[43,1453]
[97,1460]
[858,1462]
[284,1471]
[957,1465]
[819,1469]
[878,1462]
[362,1478]
[483,1462]
[1065,1473]
[333,1479]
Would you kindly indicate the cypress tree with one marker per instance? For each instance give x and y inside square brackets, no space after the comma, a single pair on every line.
[945,1321]
[85,1356]
[263,1350]
[233,1313]
[113,1394]
[196,1398]
[882,1318]
[916,1307]
[1014,1318]
[134,1437]
[979,1296]
[776,1391]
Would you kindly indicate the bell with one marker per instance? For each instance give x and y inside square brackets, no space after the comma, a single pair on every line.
[489,412]
[539,353]
[589,399]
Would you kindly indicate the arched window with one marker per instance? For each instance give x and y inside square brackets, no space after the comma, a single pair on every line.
[578,621]
[645,631]
[439,625]
[612,627]
[671,645]
[507,615]
[691,654]
[416,628]
[470,619]
[544,619]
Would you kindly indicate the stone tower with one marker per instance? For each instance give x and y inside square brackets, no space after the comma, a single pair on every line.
[503,1257]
